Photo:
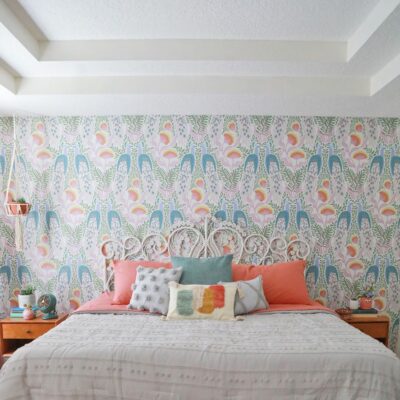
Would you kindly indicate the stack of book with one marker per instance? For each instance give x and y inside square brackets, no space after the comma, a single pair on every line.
[16,312]
[368,311]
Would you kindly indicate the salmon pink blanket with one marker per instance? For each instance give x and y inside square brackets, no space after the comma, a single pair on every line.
[102,305]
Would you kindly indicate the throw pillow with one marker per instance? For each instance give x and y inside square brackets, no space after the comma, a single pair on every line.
[201,301]
[151,291]
[125,275]
[204,271]
[250,296]
[283,283]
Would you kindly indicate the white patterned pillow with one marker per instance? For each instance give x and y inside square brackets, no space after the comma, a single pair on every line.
[202,301]
[151,291]
[250,296]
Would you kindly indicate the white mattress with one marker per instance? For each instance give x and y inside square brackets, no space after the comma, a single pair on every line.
[278,356]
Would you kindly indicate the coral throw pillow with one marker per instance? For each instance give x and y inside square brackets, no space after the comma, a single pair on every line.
[283,283]
[125,276]
[202,301]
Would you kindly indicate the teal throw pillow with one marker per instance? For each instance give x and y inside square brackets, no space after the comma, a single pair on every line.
[204,271]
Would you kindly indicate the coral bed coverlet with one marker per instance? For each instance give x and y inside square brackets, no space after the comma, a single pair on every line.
[274,355]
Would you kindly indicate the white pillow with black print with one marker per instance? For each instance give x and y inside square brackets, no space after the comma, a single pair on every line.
[151,290]
[250,296]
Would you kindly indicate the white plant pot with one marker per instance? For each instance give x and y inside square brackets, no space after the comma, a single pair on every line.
[28,299]
[354,304]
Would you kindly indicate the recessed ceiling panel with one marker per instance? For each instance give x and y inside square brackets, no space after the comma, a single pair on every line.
[211,19]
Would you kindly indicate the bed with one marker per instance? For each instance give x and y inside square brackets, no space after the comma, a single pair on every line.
[287,352]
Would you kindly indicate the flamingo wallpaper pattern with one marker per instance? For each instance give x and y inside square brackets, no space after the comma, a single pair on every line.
[335,182]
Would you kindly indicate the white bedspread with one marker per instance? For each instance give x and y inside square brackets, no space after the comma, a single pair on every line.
[278,356]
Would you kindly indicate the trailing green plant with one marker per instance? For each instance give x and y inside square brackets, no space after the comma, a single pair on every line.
[27,290]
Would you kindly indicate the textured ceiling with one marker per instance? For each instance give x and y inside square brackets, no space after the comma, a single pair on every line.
[328,57]
[211,19]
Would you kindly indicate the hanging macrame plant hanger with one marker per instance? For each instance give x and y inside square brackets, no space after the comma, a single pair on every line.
[19,207]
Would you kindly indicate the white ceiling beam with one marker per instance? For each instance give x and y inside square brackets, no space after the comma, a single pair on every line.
[7,81]
[187,104]
[372,23]
[193,49]
[274,86]
[18,30]
[387,74]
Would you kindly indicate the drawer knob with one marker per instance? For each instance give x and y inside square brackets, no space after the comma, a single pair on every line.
[28,331]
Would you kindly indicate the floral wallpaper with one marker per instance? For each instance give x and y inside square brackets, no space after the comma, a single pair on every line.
[334,182]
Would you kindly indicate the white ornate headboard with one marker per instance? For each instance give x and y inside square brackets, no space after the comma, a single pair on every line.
[212,238]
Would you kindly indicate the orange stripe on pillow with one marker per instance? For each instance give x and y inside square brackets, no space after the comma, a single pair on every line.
[208,302]
[219,295]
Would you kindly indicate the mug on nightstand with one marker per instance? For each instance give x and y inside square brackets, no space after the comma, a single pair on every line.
[354,304]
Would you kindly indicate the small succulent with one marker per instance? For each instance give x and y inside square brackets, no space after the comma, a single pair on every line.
[21,200]
[27,290]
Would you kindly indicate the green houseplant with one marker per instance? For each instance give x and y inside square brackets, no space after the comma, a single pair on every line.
[27,296]
[354,289]
[355,294]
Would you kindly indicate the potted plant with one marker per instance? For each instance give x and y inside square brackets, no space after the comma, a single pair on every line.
[18,207]
[367,296]
[354,290]
[27,296]
[354,303]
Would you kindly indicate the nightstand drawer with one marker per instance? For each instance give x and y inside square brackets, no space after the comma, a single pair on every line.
[24,331]
[374,329]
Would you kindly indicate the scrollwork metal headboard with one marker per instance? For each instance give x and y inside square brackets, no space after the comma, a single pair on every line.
[210,239]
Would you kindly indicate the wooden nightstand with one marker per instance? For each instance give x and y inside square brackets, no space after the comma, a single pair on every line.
[375,325]
[14,332]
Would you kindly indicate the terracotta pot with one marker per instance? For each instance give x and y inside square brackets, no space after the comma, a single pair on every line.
[365,303]
[18,208]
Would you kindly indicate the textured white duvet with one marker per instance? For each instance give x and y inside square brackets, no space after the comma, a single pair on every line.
[278,356]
